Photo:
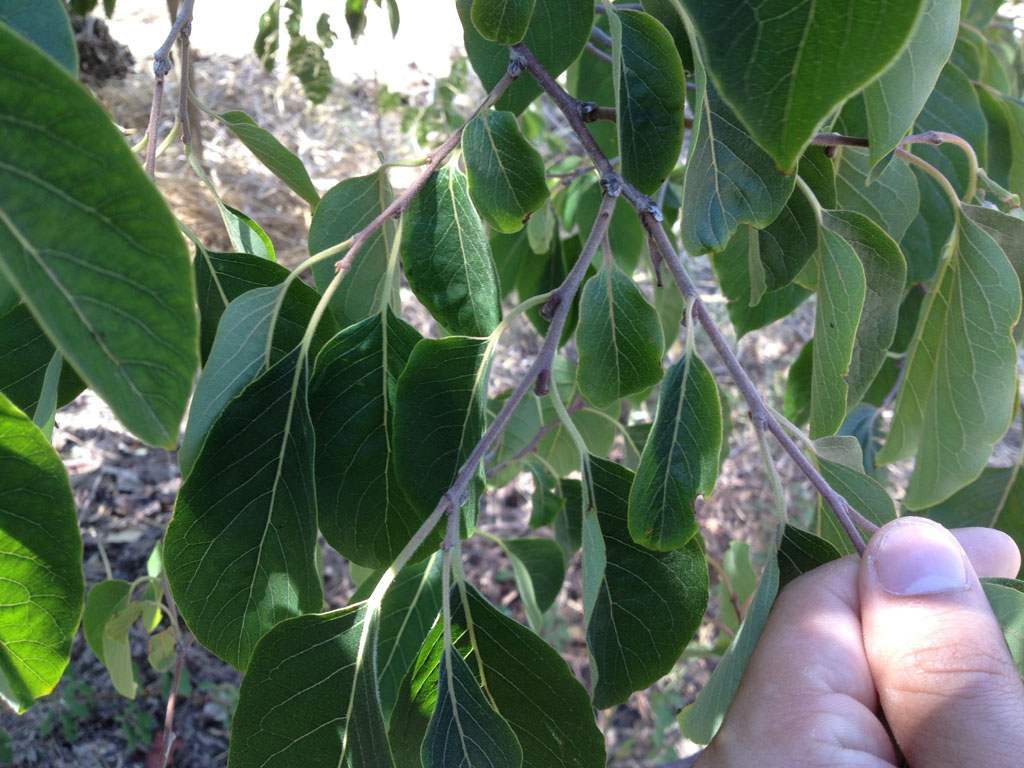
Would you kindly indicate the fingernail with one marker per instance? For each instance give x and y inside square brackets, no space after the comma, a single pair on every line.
[914,557]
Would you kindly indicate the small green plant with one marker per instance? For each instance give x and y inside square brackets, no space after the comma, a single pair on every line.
[76,704]
[136,725]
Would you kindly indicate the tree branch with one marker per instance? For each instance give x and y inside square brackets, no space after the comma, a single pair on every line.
[650,217]
[161,66]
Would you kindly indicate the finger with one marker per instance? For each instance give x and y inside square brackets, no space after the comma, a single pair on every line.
[806,697]
[945,679]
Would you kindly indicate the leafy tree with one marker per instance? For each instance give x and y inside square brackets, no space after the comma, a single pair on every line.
[869,154]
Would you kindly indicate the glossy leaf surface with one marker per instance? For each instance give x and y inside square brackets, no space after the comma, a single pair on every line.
[502,21]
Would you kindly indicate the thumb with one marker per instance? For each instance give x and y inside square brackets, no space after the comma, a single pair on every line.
[945,679]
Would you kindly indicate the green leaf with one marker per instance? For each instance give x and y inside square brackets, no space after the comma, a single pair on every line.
[963,336]
[361,510]
[953,106]
[896,98]
[800,552]
[447,258]
[891,200]
[818,170]
[117,297]
[542,230]
[1008,605]
[557,33]
[788,243]
[740,582]
[45,23]
[245,234]
[104,599]
[885,274]
[308,62]
[464,730]
[117,650]
[978,13]
[568,523]
[700,721]
[223,277]
[502,21]
[407,613]
[626,234]
[926,237]
[539,569]
[309,697]
[589,79]
[239,353]
[161,652]
[841,290]
[862,492]
[510,252]
[649,603]
[730,180]
[41,561]
[667,12]
[994,500]
[346,209]
[25,357]
[785,68]
[546,501]
[355,17]
[268,37]
[796,403]
[1007,231]
[529,684]
[440,408]
[680,458]
[619,338]
[278,159]
[650,88]
[239,549]
[733,273]
[505,172]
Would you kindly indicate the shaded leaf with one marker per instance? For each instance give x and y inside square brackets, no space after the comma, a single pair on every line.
[1008,605]
[862,492]
[309,697]
[440,408]
[239,549]
[161,652]
[626,234]
[788,243]
[700,720]
[530,685]
[650,87]
[896,98]
[818,170]
[800,552]
[447,258]
[46,24]
[345,209]
[891,200]
[619,338]
[963,336]
[740,582]
[505,172]
[539,569]
[125,322]
[885,274]
[278,159]
[509,252]
[649,604]
[464,730]
[104,599]
[926,237]
[784,68]
[502,21]
[730,180]
[796,403]
[361,510]
[556,35]
[841,290]
[239,352]
[117,651]
[679,460]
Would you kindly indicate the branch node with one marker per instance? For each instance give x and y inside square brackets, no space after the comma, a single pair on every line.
[588,111]
[611,184]
[549,309]
[831,150]
[516,62]
[540,388]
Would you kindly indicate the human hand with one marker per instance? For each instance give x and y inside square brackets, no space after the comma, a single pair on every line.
[903,639]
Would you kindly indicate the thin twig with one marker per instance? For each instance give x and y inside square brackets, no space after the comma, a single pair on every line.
[161,66]
[602,55]
[601,37]
[182,649]
[651,218]
[183,83]
[574,406]
[154,117]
